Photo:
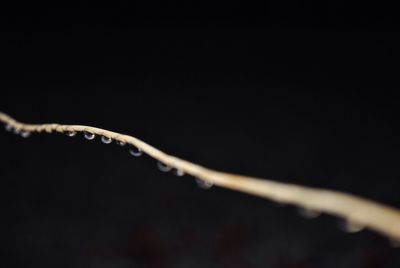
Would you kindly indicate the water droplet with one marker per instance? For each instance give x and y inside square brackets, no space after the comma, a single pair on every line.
[204,184]
[70,133]
[106,140]
[25,134]
[8,127]
[120,143]
[178,172]
[351,227]
[89,135]
[17,131]
[309,213]
[133,150]
[163,167]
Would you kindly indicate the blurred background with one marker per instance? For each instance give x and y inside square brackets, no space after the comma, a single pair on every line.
[306,94]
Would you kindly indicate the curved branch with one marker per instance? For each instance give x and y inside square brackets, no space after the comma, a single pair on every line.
[355,210]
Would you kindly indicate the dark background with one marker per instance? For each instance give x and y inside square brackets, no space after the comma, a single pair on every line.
[299,93]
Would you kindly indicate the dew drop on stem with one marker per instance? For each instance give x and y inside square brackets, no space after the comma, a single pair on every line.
[25,134]
[163,167]
[134,151]
[350,226]
[89,135]
[106,140]
[204,184]
[70,133]
[178,172]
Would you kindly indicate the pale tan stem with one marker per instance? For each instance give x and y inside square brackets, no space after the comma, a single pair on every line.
[360,211]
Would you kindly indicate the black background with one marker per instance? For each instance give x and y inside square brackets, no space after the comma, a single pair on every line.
[299,93]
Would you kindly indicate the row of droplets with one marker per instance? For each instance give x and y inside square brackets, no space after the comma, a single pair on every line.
[17,131]
[137,152]
[347,226]
[204,184]
[133,150]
